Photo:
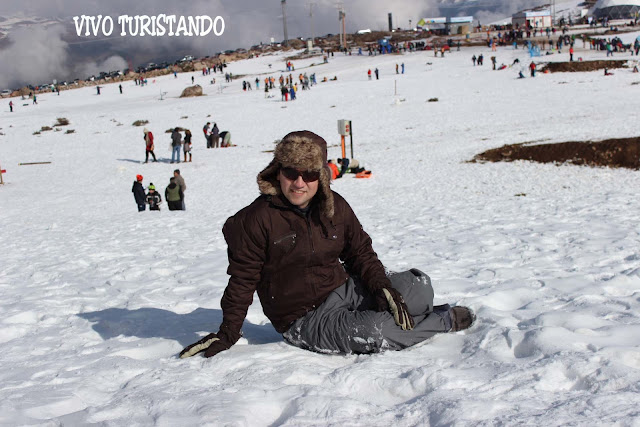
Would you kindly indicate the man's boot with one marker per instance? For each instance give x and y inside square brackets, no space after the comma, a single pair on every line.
[461,318]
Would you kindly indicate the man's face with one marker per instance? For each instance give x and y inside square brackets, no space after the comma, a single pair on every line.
[297,192]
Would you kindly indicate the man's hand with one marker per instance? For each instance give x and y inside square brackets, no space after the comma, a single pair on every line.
[391,300]
[211,345]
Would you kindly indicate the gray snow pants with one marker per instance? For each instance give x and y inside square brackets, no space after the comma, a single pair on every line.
[348,323]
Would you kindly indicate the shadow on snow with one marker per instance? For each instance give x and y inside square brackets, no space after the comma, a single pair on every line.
[157,323]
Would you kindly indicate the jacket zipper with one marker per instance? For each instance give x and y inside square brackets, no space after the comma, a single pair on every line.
[313,251]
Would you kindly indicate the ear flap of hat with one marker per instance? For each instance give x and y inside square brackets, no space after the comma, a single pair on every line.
[326,195]
[268,179]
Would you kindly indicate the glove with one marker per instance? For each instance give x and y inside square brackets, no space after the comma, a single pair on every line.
[391,300]
[211,345]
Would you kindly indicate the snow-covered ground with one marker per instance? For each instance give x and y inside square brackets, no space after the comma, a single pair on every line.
[98,299]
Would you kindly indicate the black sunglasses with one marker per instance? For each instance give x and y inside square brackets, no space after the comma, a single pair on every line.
[307,176]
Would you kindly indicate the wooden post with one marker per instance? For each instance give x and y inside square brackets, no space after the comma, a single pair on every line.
[344,152]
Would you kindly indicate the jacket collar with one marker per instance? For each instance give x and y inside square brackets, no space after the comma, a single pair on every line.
[280,202]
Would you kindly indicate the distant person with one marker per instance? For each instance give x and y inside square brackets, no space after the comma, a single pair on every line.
[186,146]
[98,89]
[225,138]
[176,142]
[120,87]
[35,100]
[532,67]
[377,73]
[473,59]
[138,193]
[349,165]
[192,80]
[148,140]
[207,134]
[215,136]
[173,195]
[402,67]
[11,106]
[335,173]
[153,198]
[397,69]
[180,181]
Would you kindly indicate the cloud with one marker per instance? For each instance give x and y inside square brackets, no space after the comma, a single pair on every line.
[113,63]
[34,55]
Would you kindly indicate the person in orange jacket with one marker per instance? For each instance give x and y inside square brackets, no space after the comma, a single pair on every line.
[335,173]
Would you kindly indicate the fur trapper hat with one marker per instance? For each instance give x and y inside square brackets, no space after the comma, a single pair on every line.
[302,150]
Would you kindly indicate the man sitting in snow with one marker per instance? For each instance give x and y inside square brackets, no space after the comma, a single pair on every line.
[320,283]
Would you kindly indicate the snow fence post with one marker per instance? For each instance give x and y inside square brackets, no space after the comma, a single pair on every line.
[344,129]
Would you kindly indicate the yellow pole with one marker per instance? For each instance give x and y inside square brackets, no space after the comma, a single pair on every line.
[344,152]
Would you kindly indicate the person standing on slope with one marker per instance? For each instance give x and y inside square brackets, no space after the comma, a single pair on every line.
[153,198]
[138,193]
[176,142]
[207,134]
[183,186]
[148,142]
[320,283]
[173,195]
[186,146]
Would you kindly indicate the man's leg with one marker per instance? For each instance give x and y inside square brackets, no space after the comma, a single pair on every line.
[416,290]
[336,326]
[348,323]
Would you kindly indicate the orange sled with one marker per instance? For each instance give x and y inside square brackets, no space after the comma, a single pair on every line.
[363,174]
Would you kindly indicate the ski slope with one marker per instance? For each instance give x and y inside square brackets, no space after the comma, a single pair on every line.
[98,299]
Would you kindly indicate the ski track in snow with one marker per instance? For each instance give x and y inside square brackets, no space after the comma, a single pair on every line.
[97,299]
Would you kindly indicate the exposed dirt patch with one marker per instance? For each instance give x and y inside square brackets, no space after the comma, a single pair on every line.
[582,66]
[615,153]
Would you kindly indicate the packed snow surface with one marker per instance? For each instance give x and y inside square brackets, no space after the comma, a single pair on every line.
[97,299]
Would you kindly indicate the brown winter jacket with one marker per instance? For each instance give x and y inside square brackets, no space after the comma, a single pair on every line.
[292,260]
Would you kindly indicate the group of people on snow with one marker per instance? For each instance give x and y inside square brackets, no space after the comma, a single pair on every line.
[214,137]
[173,193]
